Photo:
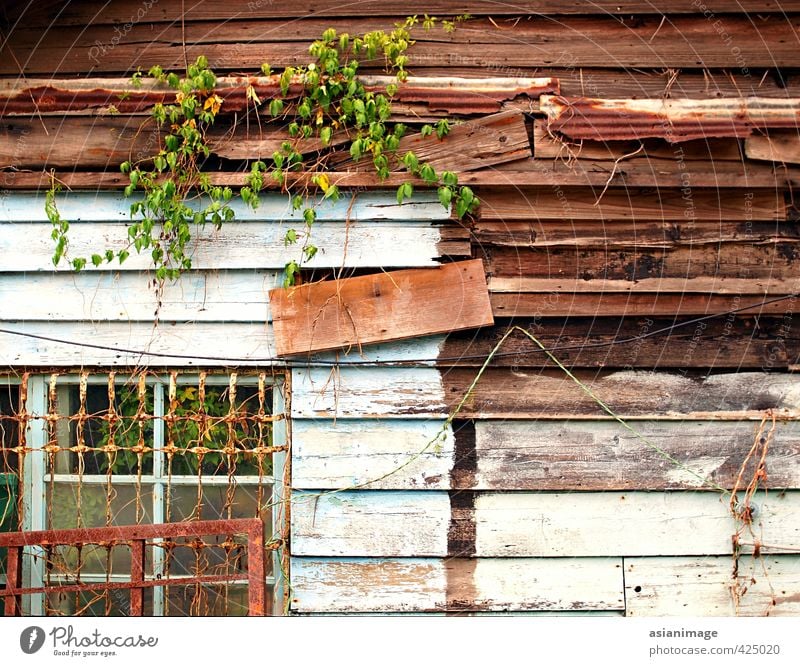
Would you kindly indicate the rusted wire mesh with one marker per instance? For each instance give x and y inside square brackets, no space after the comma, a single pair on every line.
[116,450]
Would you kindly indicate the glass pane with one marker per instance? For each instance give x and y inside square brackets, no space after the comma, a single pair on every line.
[132,427]
[112,603]
[127,508]
[9,429]
[216,425]
[215,600]
[214,558]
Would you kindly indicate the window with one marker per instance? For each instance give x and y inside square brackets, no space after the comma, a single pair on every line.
[109,449]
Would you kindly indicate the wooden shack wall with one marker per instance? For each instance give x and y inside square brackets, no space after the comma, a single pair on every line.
[613,252]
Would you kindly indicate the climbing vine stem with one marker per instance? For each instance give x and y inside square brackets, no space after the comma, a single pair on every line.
[320,105]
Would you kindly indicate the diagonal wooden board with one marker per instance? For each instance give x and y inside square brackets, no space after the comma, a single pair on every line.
[378,308]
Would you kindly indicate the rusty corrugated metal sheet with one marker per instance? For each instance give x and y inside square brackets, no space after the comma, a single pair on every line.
[672,119]
[454,95]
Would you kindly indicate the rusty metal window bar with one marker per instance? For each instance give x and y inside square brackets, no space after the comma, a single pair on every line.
[96,450]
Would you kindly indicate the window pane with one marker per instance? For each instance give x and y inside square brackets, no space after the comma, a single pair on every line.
[112,603]
[217,425]
[127,507]
[217,600]
[9,428]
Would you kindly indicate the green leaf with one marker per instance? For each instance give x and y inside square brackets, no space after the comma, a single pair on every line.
[325,135]
[309,215]
[276,107]
[449,178]
[426,130]
[97,259]
[445,196]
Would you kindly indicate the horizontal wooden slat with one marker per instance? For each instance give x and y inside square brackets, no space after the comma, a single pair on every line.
[777,147]
[700,285]
[555,304]
[112,206]
[546,394]
[640,234]
[430,585]
[496,455]
[169,10]
[684,586]
[377,308]
[238,245]
[417,523]
[767,262]
[607,456]
[682,42]
[727,341]
[633,204]
[221,296]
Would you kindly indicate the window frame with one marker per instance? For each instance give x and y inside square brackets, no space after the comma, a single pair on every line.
[36,476]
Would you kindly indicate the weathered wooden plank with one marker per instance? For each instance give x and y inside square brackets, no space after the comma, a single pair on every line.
[181,345]
[368,392]
[429,585]
[44,12]
[676,586]
[727,341]
[550,394]
[381,307]
[777,147]
[541,394]
[417,523]
[766,262]
[560,304]
[346,453]
[238,245]
[548,144]
[683,42]
[635,204]
[700,285]
[112,206]
[607,456]
[673,119]
[476,144]
[221,296]
[496,455]
[641,234]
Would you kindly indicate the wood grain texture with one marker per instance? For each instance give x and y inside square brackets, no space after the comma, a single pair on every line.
[381,307]
[690,586]
[777,147]
[633,204]
[728,341]
[415,523]
[322,585]
[553,456]
[242,45]
[549,394]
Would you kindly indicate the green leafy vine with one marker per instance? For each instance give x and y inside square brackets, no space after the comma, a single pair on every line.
[321,104]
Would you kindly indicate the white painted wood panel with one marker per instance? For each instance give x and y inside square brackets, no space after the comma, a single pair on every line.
[346,453]
[691,586]
[603,455]
[329,585]
[222,296]
[237,245]
[104,206]
[370,523]
[368,392]
[394,523]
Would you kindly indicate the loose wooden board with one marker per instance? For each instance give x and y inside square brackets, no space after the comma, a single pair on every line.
[777,147]
[376,308]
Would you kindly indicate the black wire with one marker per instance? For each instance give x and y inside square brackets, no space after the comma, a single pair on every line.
[472,357]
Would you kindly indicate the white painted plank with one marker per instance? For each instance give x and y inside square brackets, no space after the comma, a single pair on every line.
[222,296]
[689,586]
[237,245]
[368,392]
[346,453]
[570,524]
[327,585]
[603,455]
[393,523]
[243,344]
[370,523]
[103,206]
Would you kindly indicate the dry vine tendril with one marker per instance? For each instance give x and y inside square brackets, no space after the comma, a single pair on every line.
[323,101]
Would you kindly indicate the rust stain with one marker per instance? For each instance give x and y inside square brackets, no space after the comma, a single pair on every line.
[675,120]
[462,96]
